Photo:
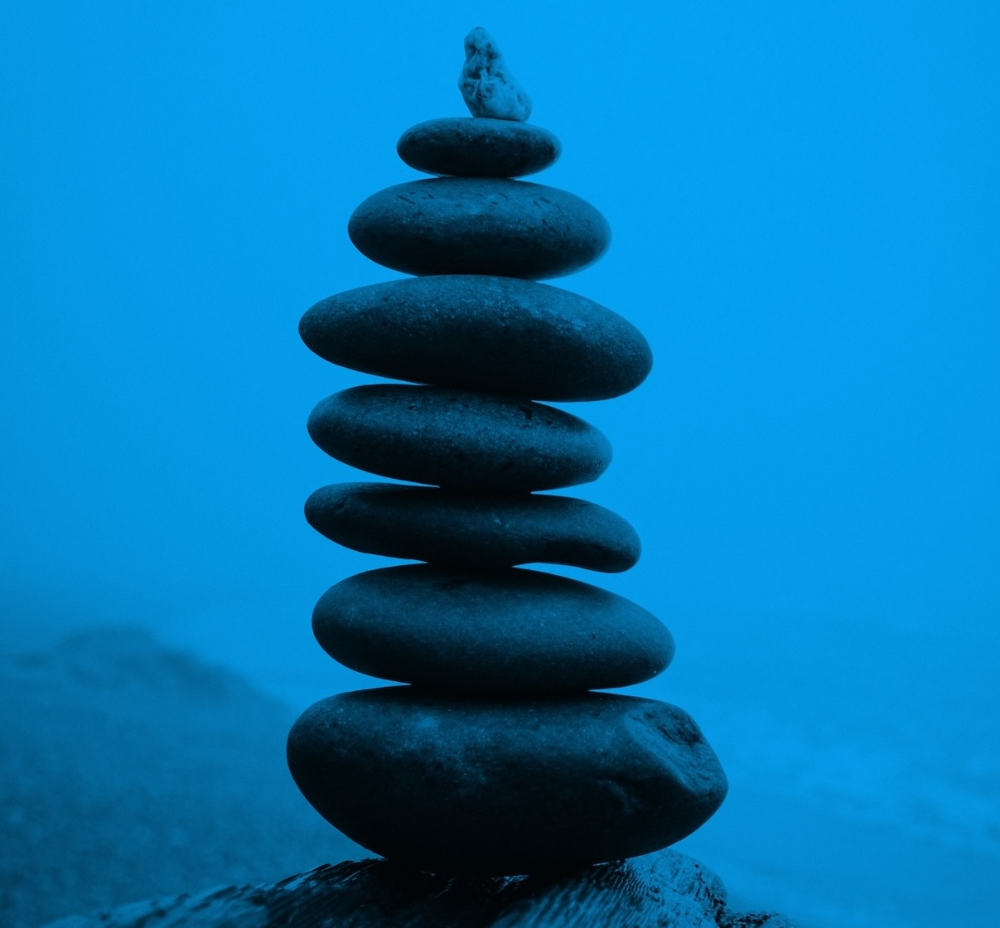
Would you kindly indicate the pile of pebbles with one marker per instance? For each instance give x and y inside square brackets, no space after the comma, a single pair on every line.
[495,758]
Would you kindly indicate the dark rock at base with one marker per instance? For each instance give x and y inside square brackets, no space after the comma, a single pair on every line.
[458,439]
[472,530]
[463,225]
[497,334]
[517,632]
[478,147]
[755,920]
[662,890]
[504,787]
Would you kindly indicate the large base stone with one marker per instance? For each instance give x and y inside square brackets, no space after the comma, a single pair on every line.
[662,890]
[500,787]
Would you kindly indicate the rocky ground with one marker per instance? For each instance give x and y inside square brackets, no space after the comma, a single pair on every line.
[129,771]
[652,891]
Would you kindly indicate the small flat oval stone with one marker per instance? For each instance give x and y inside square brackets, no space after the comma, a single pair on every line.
[465,225]
[504,787]
[496,334]
[518,632]
[478,147]
[458,439]
[472,530]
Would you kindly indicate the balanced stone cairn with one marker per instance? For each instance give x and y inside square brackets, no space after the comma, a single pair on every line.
[496,758]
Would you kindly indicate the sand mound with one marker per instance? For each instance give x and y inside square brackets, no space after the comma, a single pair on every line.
[129,771]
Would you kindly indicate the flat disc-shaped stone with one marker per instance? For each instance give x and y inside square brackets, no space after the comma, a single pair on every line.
[472,530]
[478,147]
[465,225]
[458,439]
[518,632]
[497,334]
[493,787]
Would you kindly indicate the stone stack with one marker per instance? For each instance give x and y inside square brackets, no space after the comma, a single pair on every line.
[496,758]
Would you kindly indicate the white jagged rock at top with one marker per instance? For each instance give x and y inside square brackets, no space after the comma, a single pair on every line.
[488,87]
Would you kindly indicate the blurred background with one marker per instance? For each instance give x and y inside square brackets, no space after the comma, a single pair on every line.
[806,213]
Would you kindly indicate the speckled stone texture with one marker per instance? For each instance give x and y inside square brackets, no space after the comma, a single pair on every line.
[504,787]
[478,225]
[458,439]
[488,87]
[513,632]
[496,334]
[472,530]
[662,890]
[466,147]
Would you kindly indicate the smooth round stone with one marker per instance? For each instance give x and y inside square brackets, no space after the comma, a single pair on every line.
[518,632]
[465,225]
[504,787]
[472,530]
[457,439]
[478,147]
[497,334]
